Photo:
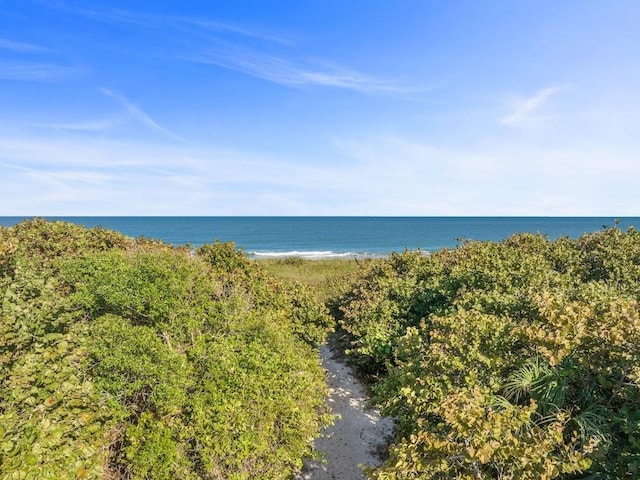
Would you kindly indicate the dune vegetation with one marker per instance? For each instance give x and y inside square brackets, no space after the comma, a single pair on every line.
[130,359]
[510,360]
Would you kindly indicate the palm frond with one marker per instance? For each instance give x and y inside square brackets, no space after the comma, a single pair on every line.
[592,423]
[537,380]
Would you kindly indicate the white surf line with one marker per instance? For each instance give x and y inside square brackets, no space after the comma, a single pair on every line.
[357,436]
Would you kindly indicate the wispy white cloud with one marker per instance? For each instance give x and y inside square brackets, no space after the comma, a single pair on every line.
[79,175]
[7,44]
[87,176]
[403,176]
[233,28]
[171,23]
[525,110]
[101,125]
[45,173]
[141,116]
[278,69]
[37,72]
[102,15]
[36,187]
[213,42]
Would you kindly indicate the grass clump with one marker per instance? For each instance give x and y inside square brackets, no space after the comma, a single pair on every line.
[327,278]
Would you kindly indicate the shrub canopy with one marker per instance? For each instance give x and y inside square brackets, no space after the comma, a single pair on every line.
[510,360]
[129,359]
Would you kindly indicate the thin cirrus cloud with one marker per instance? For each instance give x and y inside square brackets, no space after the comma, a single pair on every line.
[286,72]
[242,30]
[174,23]
[86,126]
[32,71]
[526,110]
[141,116]
[37,72]
[169,24]
[131,175]
[6,44]
[224,50]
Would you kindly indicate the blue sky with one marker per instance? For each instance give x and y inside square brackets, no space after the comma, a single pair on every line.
[359,107]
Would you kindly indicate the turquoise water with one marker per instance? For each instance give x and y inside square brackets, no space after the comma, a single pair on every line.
[339,236]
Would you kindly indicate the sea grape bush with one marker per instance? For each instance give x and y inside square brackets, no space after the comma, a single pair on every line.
[129,359]
[511,360]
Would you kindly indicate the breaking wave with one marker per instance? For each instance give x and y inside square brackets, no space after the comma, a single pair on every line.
[321,254]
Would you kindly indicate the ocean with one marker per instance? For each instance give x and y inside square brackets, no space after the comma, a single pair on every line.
[327,237]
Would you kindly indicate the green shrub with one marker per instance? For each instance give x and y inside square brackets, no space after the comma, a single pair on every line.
[506,360]
[127,358]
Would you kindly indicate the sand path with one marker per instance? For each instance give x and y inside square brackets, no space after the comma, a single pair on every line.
[358,435]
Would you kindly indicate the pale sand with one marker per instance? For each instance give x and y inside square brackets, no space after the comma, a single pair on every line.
[358,435]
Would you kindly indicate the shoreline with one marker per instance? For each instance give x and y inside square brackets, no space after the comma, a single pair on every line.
[315,255]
